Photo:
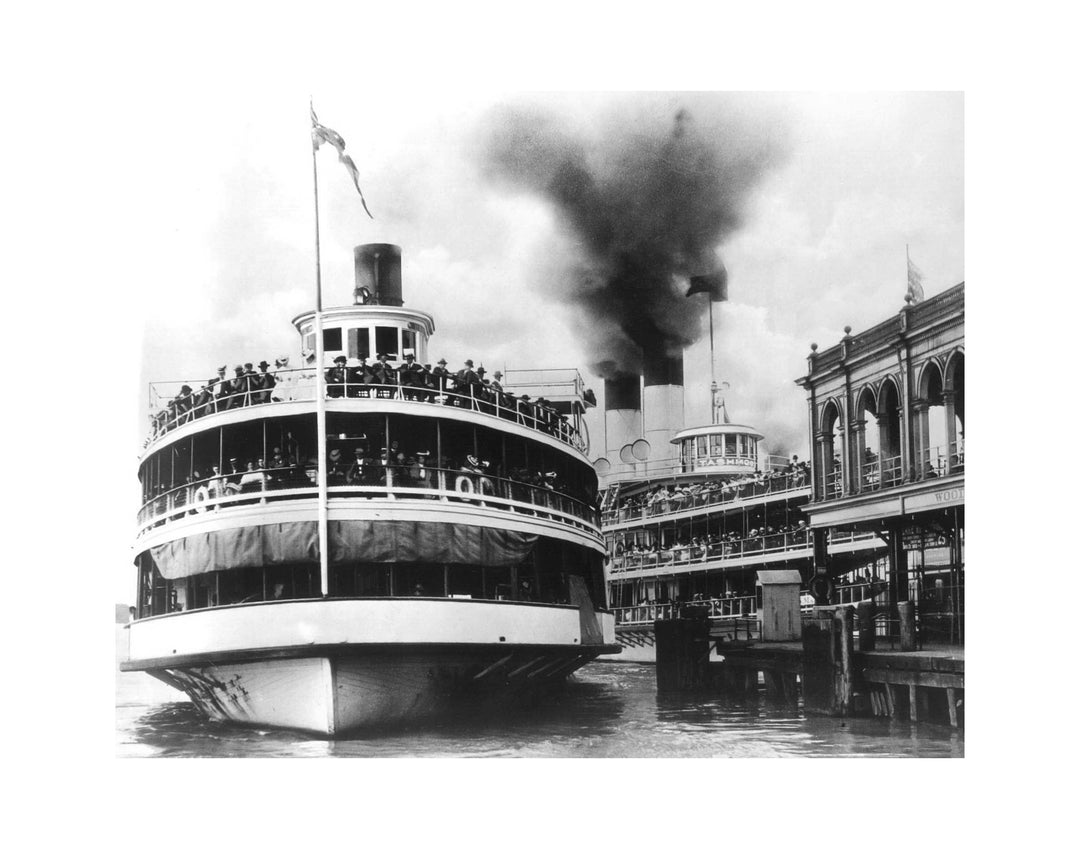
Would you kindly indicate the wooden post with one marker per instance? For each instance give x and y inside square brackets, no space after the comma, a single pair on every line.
[819,647]
[682,653]
[950,694]
[913,699]
[844,672]
[866,612]
[906,610]
[890,699]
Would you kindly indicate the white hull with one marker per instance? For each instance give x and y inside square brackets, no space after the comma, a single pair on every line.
[363,662]
[334,696]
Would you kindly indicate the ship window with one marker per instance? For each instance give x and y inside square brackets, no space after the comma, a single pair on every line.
[386,341]
[408,340]
[702,447]
[465,580]
[331,339]
[419,579]
[716,444]
[729,444]
[373,581]
[359,343]
[241,586]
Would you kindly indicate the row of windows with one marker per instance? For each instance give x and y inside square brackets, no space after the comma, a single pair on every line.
[545,577]
[391,341]
[397,439]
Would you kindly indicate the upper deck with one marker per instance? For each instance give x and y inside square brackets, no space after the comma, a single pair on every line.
[175,413]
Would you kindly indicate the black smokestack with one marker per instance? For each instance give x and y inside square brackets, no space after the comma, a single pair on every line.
[622,393]
[647,201]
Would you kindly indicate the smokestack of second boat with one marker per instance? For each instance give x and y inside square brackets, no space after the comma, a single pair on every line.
[622,414]
[662,405]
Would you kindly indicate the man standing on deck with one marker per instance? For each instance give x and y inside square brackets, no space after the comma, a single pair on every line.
[220,387]
[262,383]
[335,378]
[411,374]
[467,382]
[441,377]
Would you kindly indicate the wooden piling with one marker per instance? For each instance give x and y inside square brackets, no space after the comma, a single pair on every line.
[844,674]
[819,652]
[682,653]
[950,694]
[890,699]
[906,612]
[867,610]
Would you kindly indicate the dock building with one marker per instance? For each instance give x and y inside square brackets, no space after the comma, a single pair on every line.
[886,422]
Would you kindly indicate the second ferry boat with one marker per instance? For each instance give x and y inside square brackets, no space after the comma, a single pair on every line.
[691,516]
[451,553]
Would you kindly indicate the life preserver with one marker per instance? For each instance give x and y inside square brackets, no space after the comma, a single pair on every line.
[202,495]
[463,484]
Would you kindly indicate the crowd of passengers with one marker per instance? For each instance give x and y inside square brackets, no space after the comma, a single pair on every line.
[356,379]
[390,467]
[667,499]
[719,545]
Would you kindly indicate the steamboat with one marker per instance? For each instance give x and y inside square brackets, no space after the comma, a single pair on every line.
[346,544]
[692,516]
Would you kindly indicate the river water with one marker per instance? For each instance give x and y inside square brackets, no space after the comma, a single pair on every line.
[606,710]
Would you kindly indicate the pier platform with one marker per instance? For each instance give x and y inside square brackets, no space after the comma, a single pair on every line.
[834,669]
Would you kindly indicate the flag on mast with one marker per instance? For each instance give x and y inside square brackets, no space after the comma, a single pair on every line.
[320,134]
[914,281]
[715,284]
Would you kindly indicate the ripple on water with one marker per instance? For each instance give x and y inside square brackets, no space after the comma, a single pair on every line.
[605,710]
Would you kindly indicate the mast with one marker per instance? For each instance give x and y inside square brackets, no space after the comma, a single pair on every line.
[320,394]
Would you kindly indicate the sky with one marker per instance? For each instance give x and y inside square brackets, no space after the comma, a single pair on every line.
[819,243]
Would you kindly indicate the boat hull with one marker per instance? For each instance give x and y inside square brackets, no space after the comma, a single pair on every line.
[330,667]
[337,695]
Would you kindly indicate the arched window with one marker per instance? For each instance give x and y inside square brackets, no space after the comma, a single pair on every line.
[953,395]
[888,422]
[830,460]
[933,430]
[867,441]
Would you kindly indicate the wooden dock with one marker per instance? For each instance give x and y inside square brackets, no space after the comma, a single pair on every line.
[833,674]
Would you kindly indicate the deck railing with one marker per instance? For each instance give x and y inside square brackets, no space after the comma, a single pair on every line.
[881,473]
[392,483]
[792,541]
[939,461]
[722,495]
[730,607]
[169,413]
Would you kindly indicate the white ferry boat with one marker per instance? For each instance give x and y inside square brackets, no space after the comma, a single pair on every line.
[692,515]
[447,551]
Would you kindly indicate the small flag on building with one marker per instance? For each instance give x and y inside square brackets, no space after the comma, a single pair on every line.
[320,134]
[914,281]
[715,284]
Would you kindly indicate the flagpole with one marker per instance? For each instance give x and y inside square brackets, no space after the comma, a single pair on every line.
[320,396]
[712,360]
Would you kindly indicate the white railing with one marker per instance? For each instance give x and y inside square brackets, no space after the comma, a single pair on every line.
[730,607]
[791,541]
[392,483]
[721,494]
[939,461]
[168,413]
[881,473]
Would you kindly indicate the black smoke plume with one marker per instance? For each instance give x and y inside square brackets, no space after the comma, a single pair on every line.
[647,200]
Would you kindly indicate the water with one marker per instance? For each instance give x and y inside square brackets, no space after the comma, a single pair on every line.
[606,710]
